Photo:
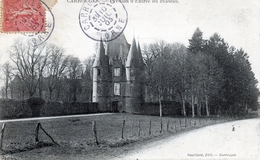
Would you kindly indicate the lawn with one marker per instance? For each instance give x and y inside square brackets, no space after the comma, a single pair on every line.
[76,134]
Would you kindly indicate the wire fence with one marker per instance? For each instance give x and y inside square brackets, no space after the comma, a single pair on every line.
[76,132]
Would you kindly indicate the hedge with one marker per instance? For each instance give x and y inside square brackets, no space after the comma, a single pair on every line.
[20,109]
[169,108]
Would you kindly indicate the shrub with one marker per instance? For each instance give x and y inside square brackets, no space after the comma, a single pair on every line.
[35,105]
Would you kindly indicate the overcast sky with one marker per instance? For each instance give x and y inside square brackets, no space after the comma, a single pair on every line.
[237,21]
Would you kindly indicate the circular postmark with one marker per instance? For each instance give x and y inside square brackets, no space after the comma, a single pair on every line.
[40,37]
[103,20]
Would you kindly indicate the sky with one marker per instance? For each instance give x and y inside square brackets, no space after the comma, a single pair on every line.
[237,21]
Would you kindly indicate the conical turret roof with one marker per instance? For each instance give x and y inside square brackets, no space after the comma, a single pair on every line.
[132,57]
[100,57]
[140,57]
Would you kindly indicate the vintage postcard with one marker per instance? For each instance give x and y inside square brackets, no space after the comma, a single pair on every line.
[129,79]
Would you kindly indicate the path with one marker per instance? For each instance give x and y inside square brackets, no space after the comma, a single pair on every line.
[219,141]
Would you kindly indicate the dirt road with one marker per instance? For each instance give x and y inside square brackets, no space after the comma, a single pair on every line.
[233,140]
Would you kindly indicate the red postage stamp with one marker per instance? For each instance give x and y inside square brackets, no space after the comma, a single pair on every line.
[22,16]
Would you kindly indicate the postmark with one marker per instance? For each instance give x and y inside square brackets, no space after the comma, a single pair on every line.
[23,16]
[102,19]
[40,37]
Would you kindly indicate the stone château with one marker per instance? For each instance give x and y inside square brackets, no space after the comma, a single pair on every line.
[118,72]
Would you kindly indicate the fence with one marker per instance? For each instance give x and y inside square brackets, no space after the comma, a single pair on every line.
[73,132]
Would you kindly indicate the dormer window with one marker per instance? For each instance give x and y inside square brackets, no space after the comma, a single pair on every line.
[116,71]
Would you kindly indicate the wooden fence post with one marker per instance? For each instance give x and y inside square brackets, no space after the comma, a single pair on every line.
[185,122]
[175,125]
[161,126]
[2,137]
[139,129]
[37,133]
[40,126]
[168,125]
[94,129]
[150,128]
[123,127]
[179,123]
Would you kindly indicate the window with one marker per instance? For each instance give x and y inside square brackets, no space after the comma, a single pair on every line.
[117,89]
[116,71]
[132,88]
[131,71]
[98,72]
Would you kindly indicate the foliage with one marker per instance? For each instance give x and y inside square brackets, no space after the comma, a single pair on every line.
[209,75]
[35,102]
[35,105]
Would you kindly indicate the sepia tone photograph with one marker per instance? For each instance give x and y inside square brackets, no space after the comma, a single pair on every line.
[129,79]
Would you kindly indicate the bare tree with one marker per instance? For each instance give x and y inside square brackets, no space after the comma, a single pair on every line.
[55,69]
[193,71]
[7,69]
[30,60]
[87,78]
[179,73]
[157,66]
[74,70]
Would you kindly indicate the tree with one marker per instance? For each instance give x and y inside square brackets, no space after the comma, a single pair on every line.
[195,49]
[211,79]
[7,69]
[157,69]
[244,83]
[30,60]
[74,72]
[178,70]
[55,69]
[194,69]
[239,84]
[196,43]
[87,78]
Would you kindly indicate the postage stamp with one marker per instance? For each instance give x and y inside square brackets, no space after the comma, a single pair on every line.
[23,16]
[103,20]
[40,37]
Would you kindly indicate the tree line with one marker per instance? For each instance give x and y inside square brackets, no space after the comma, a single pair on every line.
[208,77]
[45,71]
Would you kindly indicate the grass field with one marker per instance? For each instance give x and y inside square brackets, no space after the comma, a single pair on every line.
[76,134]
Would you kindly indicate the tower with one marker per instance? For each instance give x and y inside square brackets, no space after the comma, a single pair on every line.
[117,76]
[134,86]
[101,79]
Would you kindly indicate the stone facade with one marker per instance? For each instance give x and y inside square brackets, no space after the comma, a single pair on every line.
[118,72]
